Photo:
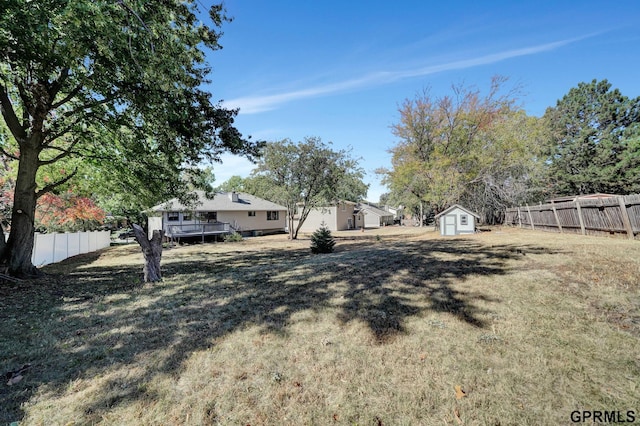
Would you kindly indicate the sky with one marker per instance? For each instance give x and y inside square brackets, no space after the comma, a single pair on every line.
[339,70]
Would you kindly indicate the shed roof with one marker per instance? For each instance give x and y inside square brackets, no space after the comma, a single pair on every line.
[457,206]
[221,201]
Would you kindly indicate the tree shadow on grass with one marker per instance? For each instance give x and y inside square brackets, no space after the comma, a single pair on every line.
[97,320]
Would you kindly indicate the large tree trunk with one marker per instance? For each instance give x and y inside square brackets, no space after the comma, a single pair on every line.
[19,248]
[152,252]
[290,222]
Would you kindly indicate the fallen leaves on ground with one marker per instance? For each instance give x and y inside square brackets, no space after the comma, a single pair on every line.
[459,392]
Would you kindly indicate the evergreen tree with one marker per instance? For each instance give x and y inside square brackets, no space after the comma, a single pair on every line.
[594,146]
[322,241]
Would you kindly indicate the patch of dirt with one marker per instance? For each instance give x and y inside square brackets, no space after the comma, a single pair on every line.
[624,317]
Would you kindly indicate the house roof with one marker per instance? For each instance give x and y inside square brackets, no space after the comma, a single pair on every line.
[221,201]
[331,204]
[457,206]
[374,210]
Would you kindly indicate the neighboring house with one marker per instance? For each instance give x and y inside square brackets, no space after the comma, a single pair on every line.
[337,217]
[373,217]
[457,220]
[398,212]
[222,214]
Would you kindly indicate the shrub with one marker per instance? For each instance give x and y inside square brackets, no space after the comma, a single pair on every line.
[322,241]
[233,238]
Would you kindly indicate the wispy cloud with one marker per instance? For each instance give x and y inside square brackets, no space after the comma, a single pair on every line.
[256,104]
[231,165]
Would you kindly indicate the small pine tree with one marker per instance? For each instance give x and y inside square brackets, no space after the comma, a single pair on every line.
[322,241]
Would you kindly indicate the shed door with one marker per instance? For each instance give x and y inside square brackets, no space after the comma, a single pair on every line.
[450,224]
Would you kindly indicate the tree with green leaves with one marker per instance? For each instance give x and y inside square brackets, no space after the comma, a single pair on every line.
[233,184]
[464,148]
[115,85]
[305,175]
[594,141]
[509,167]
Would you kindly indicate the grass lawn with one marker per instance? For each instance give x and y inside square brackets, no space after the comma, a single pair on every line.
[397,327]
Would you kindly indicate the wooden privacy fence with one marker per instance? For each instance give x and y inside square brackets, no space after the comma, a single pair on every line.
[603,216]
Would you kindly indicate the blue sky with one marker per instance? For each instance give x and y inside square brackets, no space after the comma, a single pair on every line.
[339,69]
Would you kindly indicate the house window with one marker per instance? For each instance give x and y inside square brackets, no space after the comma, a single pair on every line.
[208,217]
[464,219]
[274,215]
[187,216]
[252,214]
[173,216]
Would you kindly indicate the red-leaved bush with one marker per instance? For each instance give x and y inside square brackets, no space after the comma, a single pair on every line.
[67,212]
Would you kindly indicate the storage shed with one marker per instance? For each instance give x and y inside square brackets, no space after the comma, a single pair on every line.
[457,220]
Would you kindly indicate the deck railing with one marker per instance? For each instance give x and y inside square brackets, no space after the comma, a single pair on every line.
[198,229]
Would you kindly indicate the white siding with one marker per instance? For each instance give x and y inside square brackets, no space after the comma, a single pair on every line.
[238,219]
[319,215]
[243,222]
[371,220]
[454,223]
[336,218]
[374,220]
[155,224]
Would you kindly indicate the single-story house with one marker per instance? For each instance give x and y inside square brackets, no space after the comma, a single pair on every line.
[337,217]
[225,213]
[373,217]
[457,220]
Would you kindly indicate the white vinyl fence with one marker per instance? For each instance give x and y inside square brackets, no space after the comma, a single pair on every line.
[52,248]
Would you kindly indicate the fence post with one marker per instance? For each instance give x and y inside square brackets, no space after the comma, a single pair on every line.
[555,214]
[625,218]
[35,248]
[519,218]
[530,218]
[53,248]
[580,216]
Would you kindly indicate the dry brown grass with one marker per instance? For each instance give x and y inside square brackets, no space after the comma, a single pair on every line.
[531,325]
